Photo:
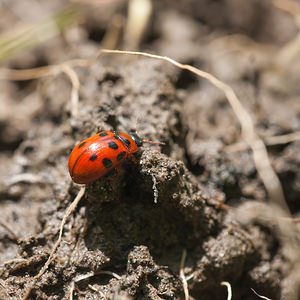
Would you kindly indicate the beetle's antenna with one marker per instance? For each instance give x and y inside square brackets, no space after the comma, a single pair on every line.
[155,143]
[136,126]
[145,141]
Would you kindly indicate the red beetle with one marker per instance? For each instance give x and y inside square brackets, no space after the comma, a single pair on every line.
[99,154]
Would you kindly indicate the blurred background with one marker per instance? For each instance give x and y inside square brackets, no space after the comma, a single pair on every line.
[253,45]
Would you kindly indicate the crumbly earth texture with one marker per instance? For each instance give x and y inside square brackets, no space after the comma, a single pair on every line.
[190,197]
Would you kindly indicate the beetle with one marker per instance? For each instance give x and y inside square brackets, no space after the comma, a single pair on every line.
[96,156]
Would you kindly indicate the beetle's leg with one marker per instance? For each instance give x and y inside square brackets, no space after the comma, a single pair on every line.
[132,158]
[114,176]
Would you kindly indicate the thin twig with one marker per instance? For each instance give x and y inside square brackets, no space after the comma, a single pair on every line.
[229,291]
[69,211]
[109,273]
[113,33]
[138,17]
[24,177]
[84,276]
[72,290]
[92,274]
[283,139]
[182,276]
[269,141]
[75,88]
[30,35]
[15,260]
[89,275]
[289,6]
[97,291]
[7,227]
[27,74]
[292,220]
[260,296]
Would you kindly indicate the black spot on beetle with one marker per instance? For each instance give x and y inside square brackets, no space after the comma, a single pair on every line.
[103,133]
[82,144]
[127,142]
[113,145]
[121,155]
[93,157]
[107,163]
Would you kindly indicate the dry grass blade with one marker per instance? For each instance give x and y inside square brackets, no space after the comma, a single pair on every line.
[9,230]
[260,296]
[289,6]
[97,291]
[27,74]
[229,290]
[70,209]
[283,139]
[182,276]
[114,31]
[269,141]
[139,12]
[47,71]
[75,88]
[109,273]
[72,290]
[31,35]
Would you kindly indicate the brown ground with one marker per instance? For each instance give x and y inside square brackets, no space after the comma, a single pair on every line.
[118,227]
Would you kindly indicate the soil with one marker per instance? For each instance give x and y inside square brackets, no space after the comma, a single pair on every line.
[127,237]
